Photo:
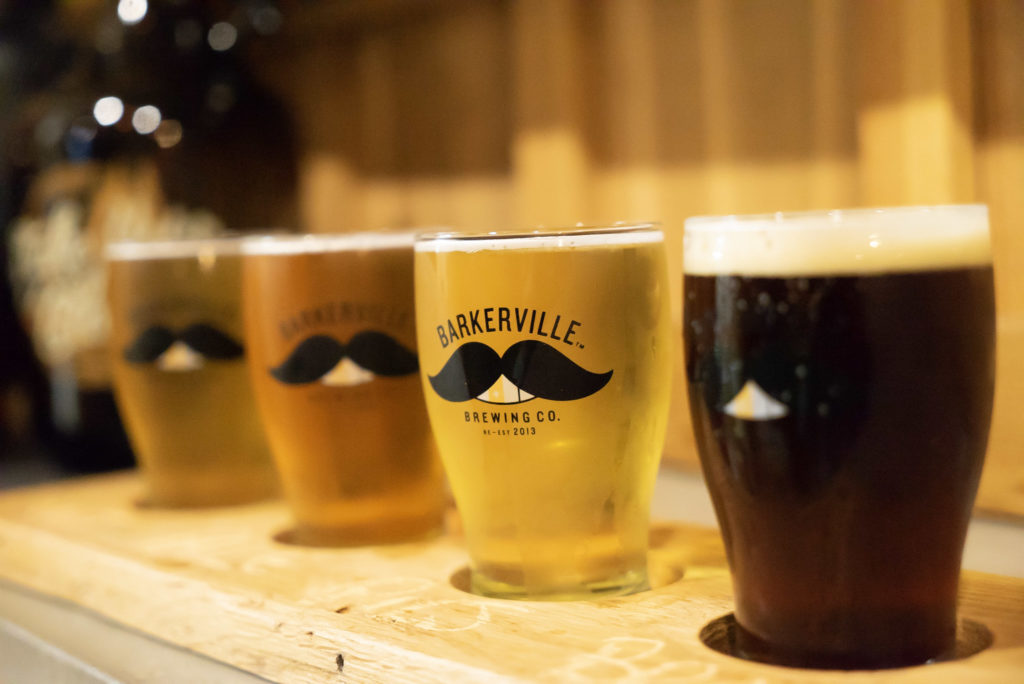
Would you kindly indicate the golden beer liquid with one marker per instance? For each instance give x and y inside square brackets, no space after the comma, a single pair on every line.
[193,424]
[357,461]
[554,495]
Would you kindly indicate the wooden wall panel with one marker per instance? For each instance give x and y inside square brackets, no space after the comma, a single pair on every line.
[914,116]
[497,114]
[998,40]
[550,158]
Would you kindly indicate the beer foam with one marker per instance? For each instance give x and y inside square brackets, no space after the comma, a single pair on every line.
[184,248]
[572,239]
[319,243]
[841,242]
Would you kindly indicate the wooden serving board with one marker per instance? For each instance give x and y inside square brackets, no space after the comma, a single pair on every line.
[216,582]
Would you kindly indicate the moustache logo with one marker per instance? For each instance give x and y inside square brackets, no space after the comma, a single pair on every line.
[367,354]
[527,369]
[184,350]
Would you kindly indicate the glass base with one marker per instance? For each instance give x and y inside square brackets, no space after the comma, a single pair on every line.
[208,489]
[751,647]
[382,532]
[621,585]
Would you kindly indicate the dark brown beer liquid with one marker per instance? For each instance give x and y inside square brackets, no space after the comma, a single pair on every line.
[844,520]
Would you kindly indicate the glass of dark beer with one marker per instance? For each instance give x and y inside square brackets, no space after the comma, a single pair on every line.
[840,370]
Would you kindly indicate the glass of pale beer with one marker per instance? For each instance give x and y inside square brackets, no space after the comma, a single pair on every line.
[841,368]
[179,371]
[332,353]
[546,364]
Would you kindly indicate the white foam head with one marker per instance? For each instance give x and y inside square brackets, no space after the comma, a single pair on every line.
[560,239]
[184,248]
[841,242]
[320,243]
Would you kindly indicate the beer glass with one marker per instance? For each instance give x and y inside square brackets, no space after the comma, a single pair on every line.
[840,373]
[545,360]
[333,360]
[179,371]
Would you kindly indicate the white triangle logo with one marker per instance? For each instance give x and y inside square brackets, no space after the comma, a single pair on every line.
[503,392]
[346,373]
[179,357]
[753,403]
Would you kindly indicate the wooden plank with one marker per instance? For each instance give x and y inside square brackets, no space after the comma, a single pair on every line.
[491,115]
[549,155]
[48,641]
[832,167]
[997,29]
[915,114]
[217,583]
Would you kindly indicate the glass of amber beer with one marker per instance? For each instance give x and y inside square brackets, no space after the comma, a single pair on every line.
[546,364]
[179,371]
[332,353]
[840,368]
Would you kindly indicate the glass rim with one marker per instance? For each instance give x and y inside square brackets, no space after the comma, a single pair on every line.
[127,249]
[271,244]
[542,232]
[583,235]
[780,219]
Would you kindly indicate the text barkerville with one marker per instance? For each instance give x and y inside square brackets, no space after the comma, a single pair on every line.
[507,319]
[333,313]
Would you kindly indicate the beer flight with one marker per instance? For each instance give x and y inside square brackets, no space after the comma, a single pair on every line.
[839,366]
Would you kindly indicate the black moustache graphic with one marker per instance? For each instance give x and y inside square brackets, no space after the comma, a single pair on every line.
[375,351]
[200,337]
[531,365]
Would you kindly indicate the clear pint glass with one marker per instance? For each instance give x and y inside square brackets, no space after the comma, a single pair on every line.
[545,362]
[334,364]
[179,371]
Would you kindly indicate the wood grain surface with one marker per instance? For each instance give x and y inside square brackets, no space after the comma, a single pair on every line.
[216,582]
[509,114]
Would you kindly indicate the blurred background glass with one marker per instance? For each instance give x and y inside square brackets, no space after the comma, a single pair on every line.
[127,119]
[338,115]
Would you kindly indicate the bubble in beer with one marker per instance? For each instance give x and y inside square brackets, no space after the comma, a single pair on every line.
[764,300]
[741,304]
[822,409]
[782,308]
[801,371]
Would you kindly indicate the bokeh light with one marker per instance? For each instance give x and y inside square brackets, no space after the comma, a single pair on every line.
[108,110]
[146,119]
[132,11]
[220,97]
[266,19]
[222,36]
[168,133]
